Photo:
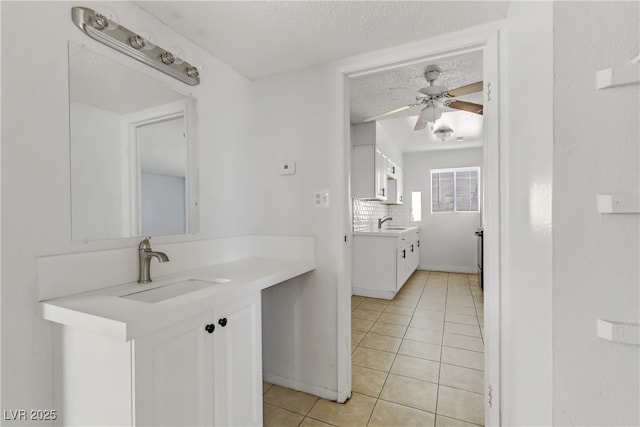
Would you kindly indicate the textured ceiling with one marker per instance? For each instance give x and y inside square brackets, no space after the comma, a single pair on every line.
[261,38]
[377,94]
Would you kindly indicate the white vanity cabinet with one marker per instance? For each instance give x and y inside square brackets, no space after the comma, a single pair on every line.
[203,370]
[383,261]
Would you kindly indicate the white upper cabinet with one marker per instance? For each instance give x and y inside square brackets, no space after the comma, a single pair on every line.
[373,171]
[396,192]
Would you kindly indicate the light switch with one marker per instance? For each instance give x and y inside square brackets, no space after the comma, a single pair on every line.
[321,199]
[287,168]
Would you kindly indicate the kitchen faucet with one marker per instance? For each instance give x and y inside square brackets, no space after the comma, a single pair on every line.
[383,220]
[144,260]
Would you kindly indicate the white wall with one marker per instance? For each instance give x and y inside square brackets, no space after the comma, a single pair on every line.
[596,257]
[300,343]
[447,240]
[35,170]
[527,158]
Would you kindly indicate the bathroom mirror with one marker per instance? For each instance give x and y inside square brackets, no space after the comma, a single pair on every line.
[133,152]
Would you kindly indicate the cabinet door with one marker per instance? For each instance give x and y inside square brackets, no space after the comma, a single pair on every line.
[237,362]
[380,168]
[173,375]
[399,185]
[401,267]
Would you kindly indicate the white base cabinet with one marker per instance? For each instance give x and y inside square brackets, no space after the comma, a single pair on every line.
[205,370]
[383,263]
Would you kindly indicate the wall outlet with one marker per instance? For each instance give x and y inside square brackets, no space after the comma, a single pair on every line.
[321,199]
[287,168]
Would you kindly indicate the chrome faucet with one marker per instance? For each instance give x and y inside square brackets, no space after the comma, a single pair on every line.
[144,260]
[383,220]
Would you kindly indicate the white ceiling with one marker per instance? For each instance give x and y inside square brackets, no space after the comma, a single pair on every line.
[261,38]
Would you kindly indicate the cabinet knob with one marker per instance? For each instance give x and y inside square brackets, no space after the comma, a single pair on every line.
[210,328]
[411,248]
[404,253]
[222,322]
[418,243]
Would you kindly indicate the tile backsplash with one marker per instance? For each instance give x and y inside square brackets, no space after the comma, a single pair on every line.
[366,214]
[401,215]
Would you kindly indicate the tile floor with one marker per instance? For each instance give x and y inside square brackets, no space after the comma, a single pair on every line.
[417,361]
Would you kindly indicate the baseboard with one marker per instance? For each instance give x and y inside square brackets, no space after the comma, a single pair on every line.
[300,386]
[450,268]
[372,293]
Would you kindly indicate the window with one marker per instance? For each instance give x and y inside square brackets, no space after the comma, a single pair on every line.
[455,190]
[416,206]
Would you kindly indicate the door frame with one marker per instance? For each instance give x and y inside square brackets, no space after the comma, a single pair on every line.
[490,39]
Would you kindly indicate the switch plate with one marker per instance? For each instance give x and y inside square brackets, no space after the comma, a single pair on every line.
[287,168]
[321,199]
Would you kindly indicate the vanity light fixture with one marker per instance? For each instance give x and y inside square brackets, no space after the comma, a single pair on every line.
[443,132]
[102,28]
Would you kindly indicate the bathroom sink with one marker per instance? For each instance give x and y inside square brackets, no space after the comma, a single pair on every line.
[172,290]
[395,228]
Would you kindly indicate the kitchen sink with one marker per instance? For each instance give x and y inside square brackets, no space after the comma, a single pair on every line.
[172,290]
[396,228]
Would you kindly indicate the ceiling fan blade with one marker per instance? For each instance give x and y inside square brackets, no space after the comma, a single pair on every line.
[467,106]
[388,113]
[420,123]
[463,90]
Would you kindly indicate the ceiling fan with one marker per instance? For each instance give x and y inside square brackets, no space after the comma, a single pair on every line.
[433,99]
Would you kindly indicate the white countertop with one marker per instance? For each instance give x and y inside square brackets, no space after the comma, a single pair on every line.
[386,232]
[104,312]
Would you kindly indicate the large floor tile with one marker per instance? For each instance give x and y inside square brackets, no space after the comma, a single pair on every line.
[374,359]
[294,401]
[423,350]
[415,367]
[387,414]
[424,335]
[428,314]
[462,378]
[461,309]
[461,405]
[417,322]
[463,341]
[277,417]
[388,329]
[397,309]
[356,300]
[462,329]
[356,336]
[354,413]
[361,313]
[310,422]
[367,381]
[361,324]
[410,392]
[461,318]
[442,421]
[381,342]
[396,319]
[377,305]
[460,357]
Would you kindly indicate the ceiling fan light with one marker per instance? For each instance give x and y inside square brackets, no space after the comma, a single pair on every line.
[443,133]
[430,114]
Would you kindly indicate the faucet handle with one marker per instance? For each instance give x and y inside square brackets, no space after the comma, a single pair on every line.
[145,244]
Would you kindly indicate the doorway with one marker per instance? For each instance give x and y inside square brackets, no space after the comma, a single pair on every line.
[486,42]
